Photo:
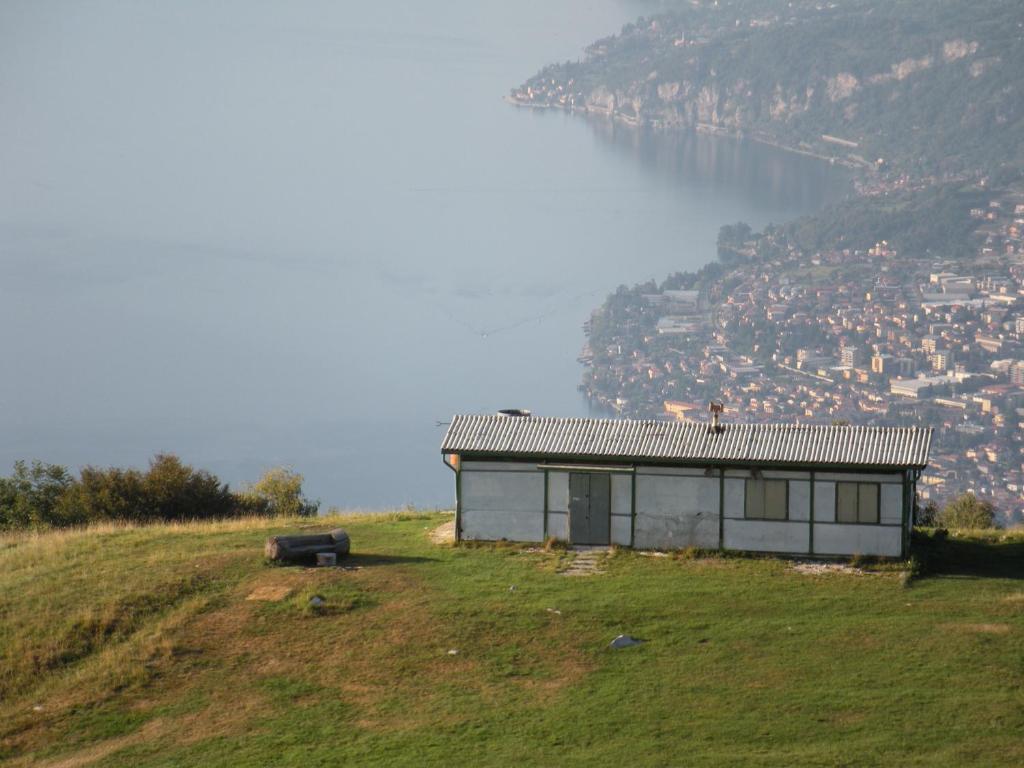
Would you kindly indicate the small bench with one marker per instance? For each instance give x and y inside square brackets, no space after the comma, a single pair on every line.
[305,548]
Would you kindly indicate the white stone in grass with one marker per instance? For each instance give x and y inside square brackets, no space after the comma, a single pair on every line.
[624,641]
[316,601]
[453,652]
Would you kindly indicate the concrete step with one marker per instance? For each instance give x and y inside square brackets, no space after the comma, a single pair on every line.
[586,562]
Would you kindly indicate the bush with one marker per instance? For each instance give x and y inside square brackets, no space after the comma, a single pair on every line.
[967,511]
[31,497]
[279,493]
[176,491]
[169,490]
[926,515]
[47,495]
[106,494]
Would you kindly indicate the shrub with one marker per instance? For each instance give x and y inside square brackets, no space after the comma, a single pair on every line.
[176,491]
[926,515]
[106,494]
[279,493]
[169,490]
[47,495]
[967,511]
[31,497]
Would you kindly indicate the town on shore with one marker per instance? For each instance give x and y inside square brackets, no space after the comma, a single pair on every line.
[864,336]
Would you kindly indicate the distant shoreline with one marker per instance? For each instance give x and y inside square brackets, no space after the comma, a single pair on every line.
[705,128]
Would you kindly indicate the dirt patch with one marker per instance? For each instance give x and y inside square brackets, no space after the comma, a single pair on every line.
[444,534]
[1016,597]
[270,594]
[816,569]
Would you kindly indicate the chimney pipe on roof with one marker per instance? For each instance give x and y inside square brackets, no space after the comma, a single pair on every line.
[716,408]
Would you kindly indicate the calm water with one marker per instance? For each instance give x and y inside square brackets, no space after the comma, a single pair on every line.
[258,233]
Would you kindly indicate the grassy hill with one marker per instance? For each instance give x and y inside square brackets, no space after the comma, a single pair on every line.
[140,646]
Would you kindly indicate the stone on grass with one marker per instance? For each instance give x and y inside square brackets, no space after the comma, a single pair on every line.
[624,641]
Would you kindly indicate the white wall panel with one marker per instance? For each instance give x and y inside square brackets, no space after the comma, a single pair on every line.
[673,512]
[824,502]
[520,491]
[491,525]
[622,494]
[768,536]
[558,491]
[558,525]
[735,497]
[799,499]
[621,526]
[892,504]
[838,539]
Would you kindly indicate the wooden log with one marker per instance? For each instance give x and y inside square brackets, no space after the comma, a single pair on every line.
[305,548]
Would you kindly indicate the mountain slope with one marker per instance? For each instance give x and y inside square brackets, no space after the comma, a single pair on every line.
[929,88]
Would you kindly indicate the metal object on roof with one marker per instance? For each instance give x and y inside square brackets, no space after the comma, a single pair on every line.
[693,443]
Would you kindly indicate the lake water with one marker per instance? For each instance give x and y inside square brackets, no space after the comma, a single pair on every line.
[262,233]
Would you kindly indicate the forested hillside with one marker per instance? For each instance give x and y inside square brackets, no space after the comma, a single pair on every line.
[927,88]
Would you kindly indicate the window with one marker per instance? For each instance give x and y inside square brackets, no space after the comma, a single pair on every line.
[767,500]
[857,503]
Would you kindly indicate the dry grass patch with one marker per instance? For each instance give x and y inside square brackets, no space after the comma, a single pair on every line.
[444,533]
[269,593]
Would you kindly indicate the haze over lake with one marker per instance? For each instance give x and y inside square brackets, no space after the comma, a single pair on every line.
[257,233]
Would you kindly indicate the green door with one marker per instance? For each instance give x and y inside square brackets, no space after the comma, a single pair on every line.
[589,508]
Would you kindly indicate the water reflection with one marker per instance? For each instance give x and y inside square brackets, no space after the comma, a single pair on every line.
[768,177]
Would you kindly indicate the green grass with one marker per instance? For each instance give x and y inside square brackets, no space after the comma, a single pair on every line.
[138,647]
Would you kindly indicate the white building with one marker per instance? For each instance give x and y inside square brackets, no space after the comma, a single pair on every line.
[793,489]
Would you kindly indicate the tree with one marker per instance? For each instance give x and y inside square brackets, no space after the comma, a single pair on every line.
[926,515]
[31,497]
[106,494]
[176,491]
[967,511]
[169,490]
[279,493]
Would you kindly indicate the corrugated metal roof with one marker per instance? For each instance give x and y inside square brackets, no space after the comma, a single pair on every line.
[743,444]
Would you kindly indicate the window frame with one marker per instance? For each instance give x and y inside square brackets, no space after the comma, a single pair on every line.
[764,500]
[860,485]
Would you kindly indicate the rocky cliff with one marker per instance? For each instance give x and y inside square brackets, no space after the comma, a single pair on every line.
[922,87]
